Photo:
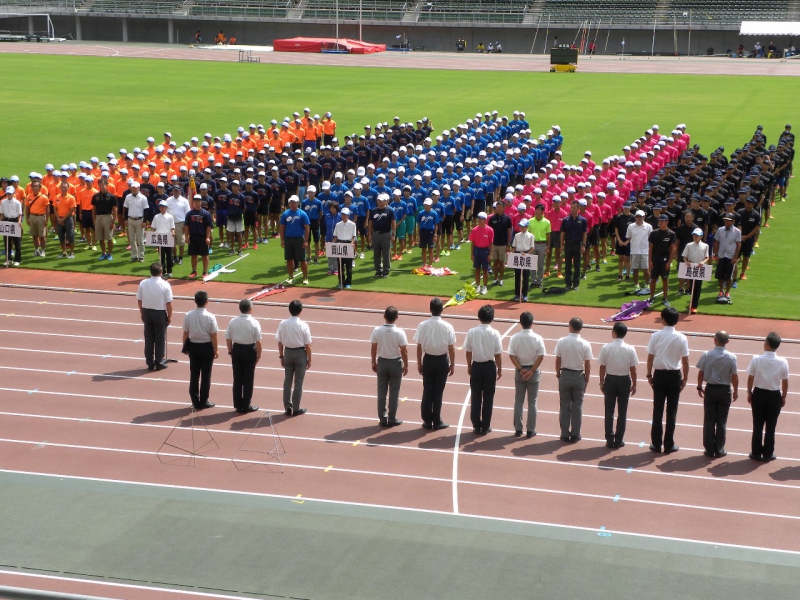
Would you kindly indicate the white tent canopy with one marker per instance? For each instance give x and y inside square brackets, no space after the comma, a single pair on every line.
[770,28]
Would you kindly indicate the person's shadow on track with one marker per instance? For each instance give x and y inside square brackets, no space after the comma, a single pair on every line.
[730,468]
[164,416]
[396,437]
[534,449]
[685,465]
[584,454]
[117,375]
[786,474]
[354,435]
[628,461]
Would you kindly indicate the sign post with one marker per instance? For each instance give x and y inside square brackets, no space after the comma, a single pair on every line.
[340,250]
[522,261]
[696,273]
[9,229]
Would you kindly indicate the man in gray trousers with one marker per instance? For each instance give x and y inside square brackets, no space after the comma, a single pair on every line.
[526,351]
[573,367]
[381,235]
[390,362]
[294,350]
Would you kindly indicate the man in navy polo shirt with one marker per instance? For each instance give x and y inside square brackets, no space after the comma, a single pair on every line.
[295,228]
[313,208]
[235,226]
[197,227]
[428,222]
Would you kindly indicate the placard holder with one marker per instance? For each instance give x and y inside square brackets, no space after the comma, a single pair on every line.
[260,451]
[192,440]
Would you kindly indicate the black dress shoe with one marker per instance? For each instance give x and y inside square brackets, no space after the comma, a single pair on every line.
[754,457]
[708,454]
[610,445]
[671,450]
[477,430]
[530,434]
[769,458]
[619,444]
[518,433]
[249,409]
[206,405]
[298,412]
[151,367]
[487,430]
[395,422]
[564,438]
[427,425]
[383,423]
[160,367]
[654,448]
[722,453]
[574,438]
[441,425]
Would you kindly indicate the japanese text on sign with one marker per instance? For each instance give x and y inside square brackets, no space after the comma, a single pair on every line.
[699,272]
[10,229]
[527,262]
[163,240]
[337,250]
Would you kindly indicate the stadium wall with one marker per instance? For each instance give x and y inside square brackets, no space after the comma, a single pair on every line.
[517,40]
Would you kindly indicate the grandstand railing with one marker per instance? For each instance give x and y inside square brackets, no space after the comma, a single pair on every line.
[15,6]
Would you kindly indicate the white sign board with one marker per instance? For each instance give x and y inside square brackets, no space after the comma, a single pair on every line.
[10,229]
[339,250]
[527,262]
[161,240]
[700,272]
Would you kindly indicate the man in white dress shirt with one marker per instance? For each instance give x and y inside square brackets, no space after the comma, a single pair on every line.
[573,368]
[618,362]
[243,338]
[164,223]
[136,205]
[155,308]
[638,234]
[294,350]
[11,210]
[526,351]
[767,386]
[668,354]
[484,366]
[200,340]
[390,362]
[436,354]
[178,206]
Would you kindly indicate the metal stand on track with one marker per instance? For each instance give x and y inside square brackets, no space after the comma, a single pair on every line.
[258,451]
[191,438]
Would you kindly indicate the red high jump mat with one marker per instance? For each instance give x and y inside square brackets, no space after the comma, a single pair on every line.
[317,45]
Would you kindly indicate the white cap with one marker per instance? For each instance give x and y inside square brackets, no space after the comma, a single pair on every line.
[10,189]
[311,188]
[429,202]
[345,211]
[697,231]
[481,215]
[523,223]
[639,213]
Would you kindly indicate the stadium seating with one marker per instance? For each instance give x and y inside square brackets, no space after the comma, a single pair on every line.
[241,8]
[371,10]
[130,6]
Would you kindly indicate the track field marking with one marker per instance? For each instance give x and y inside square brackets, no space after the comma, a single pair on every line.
[298,501]
[524,459]
[328,470]
[531,489]
[457,442]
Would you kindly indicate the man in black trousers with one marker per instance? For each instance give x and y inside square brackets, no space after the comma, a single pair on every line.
[767,386]
[243,338]
[618,362]
[484,365]
[668,355]
[200,343]
[436,354]
[718,368]
[573,243]
[155,308]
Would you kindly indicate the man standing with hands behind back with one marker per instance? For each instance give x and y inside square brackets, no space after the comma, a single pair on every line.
[767,386]
[243,338]
[294,350]
[718,368]
[436,355]
[155,307]
[390,362]
[668,354]
[573,368]
[197,227]
[200,333]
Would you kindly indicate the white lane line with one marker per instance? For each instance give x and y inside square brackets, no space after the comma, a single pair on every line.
[323,468]
[457,443]
[410,422]
[129,586]
[326,373]
[592,530]
[351,325]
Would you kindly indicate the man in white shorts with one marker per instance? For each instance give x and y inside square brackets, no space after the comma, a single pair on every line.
[639,233]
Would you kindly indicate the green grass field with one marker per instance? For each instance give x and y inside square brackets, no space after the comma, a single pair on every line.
[108,103]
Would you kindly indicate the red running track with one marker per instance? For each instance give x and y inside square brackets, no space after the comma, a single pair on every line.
[76,401]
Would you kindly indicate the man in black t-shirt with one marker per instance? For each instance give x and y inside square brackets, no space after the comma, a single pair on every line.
[197,229]
[104,209]
[381,230]
[662,251]
[684,237]
[623,248]
[750,224]
[503,229]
